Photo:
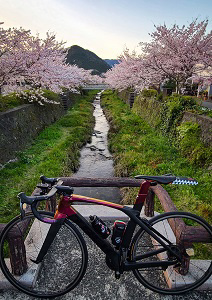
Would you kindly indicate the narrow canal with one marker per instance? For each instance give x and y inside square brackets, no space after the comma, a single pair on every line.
[96,161]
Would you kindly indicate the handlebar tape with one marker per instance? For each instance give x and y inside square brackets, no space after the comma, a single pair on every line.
[43,219]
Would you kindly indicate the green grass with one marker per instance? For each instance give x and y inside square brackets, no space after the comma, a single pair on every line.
[10,101]
[139,149]
[54,153]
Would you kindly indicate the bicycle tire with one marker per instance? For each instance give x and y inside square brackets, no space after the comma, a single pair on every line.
[172,280]
[61,269]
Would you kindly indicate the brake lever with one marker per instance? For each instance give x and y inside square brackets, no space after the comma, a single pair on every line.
[22,209]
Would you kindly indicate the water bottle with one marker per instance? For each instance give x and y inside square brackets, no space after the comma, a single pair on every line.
[99,226]
[118,232]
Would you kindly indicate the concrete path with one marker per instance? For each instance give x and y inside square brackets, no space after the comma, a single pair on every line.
[99,282]
[207,104]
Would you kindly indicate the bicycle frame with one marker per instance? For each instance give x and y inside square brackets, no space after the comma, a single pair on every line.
[66,210]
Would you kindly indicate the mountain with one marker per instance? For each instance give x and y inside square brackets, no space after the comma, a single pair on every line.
[86,59]
[111,62]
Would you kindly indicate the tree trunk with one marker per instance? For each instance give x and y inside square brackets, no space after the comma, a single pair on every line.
[177,87]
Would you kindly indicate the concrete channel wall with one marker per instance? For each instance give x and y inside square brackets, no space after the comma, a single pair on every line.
[20,125]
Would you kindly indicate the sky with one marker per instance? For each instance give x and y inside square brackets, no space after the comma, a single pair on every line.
[105,27]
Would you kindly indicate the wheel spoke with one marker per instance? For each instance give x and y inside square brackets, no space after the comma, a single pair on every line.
[57,273]
[171,281]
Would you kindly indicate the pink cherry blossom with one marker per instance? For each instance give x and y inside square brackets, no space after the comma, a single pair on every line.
[29,62]
[175,53]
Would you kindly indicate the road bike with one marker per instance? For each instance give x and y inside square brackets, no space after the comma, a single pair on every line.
[169,253]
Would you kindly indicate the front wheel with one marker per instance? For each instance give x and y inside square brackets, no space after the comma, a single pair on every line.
[191,238]
[58,271]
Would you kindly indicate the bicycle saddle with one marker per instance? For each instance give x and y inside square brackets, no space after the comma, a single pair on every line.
[164,179]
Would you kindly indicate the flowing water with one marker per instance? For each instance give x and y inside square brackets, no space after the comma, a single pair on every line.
[96,161]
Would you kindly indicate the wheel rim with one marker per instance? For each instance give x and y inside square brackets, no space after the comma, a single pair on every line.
[172,280]
[60,270]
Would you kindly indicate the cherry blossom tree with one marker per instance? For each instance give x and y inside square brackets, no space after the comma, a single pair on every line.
[12,54]
[28,62]
[175,53]
[121,75]
[132,73]
[179,52]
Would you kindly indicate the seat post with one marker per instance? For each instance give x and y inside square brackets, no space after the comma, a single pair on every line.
[142,194]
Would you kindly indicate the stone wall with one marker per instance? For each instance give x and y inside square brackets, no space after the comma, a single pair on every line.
[20,125]
[149,109]
[205,124]
[124,95]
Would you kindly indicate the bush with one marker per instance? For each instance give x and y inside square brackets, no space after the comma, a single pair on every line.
[170,84]
[173,111]
[13,100]
[201,110]
[10,101]
[51,95]
[159,97]
[190,144]
[184,101]
[149,93]
[187,101]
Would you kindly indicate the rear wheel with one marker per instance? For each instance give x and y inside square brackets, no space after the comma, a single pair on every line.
[196,255]
[58,272]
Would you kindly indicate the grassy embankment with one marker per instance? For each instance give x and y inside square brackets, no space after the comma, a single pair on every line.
[13,100]
[166,115]
[139,149]
[55,152]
